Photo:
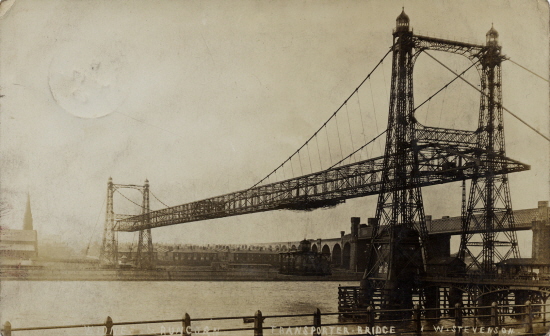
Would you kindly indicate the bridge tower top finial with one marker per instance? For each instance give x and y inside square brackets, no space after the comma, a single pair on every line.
[402,21]
[492,36]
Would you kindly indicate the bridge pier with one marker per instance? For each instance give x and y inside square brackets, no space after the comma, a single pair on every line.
[541,235]
[354,252]
[438,245]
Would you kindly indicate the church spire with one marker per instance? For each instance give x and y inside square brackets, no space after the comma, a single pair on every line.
[27,221]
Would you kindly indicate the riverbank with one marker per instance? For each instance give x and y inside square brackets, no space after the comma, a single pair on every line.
[191,274]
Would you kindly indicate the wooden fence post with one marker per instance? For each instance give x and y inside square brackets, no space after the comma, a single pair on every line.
[317,322]
[494,317]
[544,313]
[458,319]
[417,320]
[109,326]
[7,329]
[186,324]
[258,324]
[529,318]
[370,317]
[476,311]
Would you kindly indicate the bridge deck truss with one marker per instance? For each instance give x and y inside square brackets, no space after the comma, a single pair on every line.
[445,155]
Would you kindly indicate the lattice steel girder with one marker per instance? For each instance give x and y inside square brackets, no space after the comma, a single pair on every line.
[326,188]
[495,243]
[122,216]
[470,50]
[446,136]
[455,226]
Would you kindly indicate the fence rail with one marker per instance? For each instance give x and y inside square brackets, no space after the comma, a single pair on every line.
[527,319]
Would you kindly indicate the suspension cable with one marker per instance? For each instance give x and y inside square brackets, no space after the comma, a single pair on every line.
[332,116]
[416,108]
[524,68]
[483,93]
[139,205]
[349,127]
[445,86]
[442,106]
[319,152]
[328,144]
[301,167]
[361,115]
[374,110]
[358,149]
[339,140]
[427,113]
[158,199]
[309,157]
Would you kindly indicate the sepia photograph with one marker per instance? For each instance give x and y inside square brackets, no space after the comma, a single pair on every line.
[257,167]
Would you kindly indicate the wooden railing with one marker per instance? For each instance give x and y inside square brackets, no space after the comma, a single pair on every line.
[527,319]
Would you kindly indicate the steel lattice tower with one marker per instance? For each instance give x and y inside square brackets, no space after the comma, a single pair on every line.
[397,254]
[145,256]
[109,247]
[489,208]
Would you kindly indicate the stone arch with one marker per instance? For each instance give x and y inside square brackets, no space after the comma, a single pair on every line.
[293,247]
[325,249]
[314,248]
[346,256]
[336,255]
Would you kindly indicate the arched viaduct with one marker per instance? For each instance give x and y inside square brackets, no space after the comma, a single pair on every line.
[348,251]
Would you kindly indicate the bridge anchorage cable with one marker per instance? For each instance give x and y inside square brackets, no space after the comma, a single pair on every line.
[504,108]
[524,68]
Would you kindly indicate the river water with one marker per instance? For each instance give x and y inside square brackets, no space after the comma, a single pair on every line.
[46,303]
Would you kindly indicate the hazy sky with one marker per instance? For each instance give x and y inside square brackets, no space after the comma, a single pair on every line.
[206,97]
